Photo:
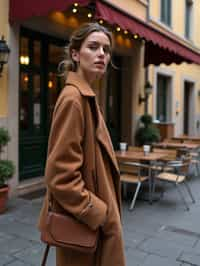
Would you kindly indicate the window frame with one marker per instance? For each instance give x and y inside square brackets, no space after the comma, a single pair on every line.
[166,12]
[188,19]
[168,96]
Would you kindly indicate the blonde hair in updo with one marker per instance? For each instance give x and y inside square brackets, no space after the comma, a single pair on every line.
[75,42]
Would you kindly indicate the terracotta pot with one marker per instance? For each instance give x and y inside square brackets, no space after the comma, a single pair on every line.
[3,198]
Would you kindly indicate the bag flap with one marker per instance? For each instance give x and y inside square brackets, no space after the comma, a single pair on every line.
[68,230]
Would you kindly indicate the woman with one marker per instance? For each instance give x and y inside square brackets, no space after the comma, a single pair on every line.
[78,136]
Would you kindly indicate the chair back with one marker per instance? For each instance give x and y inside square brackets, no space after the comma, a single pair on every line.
[195,141]
[171,154]
[135,168]
[128,168]
[135,148]
[188,141]
[184,168]
[172,140]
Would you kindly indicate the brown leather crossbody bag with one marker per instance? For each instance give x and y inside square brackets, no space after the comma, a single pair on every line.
[80,237]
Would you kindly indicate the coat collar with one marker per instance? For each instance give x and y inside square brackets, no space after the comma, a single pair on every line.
[82,85]
[102,134]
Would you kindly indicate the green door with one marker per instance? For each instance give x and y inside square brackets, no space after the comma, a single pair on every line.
[114,101]
[38,90]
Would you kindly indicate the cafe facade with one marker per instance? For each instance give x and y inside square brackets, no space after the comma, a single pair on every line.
[37,33]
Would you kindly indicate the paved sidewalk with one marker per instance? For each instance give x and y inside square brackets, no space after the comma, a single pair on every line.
[162,234]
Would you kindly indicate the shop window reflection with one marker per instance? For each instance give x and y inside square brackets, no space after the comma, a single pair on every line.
[55,84]
[24,102]
[24,51]
[36,53]
[55,54]
[36,101]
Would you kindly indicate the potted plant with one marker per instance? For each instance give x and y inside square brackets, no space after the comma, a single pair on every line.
[7,170]
[147,133]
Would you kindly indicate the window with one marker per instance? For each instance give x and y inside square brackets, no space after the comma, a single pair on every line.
[188,18]
[163,98]
[165,11]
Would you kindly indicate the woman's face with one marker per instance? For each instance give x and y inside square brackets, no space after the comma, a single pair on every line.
[93,56]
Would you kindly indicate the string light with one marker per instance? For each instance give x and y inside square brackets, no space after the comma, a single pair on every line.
[27,60]
[22,59]
[74,10]
[90,15]
[118,29]
[50,84]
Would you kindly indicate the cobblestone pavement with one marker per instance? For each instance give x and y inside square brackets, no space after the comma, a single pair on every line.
[162,234]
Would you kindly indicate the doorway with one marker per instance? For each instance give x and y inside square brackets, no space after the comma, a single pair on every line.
[188,105]
[163,98]
[114,95]
[39,88]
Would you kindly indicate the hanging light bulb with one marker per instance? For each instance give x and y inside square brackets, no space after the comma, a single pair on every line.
[101,21]
[26,60]
[22,60]
[135,36]
[50,84]
[89,15]
[76,4]
[125,32]
[118,29]
[26,78]
[74,10]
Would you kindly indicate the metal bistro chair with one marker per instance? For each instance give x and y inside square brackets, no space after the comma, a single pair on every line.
[195,156]
[170,154]
[177,177]
[134,173]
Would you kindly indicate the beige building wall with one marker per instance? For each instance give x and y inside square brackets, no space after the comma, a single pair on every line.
[196,23]
[178,73]
[133,7]
[9,91]
[4,30]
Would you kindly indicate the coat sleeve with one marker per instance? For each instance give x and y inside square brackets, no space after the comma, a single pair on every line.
[64,162]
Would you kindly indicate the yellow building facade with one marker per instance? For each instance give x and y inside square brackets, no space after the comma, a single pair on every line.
[4,31]
[29,85]
[182,81]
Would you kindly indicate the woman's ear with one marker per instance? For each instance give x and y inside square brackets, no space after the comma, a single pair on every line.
[75,55]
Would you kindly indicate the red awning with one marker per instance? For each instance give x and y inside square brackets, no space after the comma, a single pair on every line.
[160,48]
[24,9]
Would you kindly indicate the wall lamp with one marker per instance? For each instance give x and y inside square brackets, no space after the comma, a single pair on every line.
[4,53]
[147,91]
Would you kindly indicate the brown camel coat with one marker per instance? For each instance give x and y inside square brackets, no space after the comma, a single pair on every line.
[70,175]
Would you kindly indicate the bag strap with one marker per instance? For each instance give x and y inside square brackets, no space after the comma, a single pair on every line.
[46,252]
[92,105]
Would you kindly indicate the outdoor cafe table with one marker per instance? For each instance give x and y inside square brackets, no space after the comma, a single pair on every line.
[173,145]
[186,137]
[132,156]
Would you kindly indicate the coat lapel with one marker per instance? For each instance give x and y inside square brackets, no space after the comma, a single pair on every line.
[102,133]
[103,137]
